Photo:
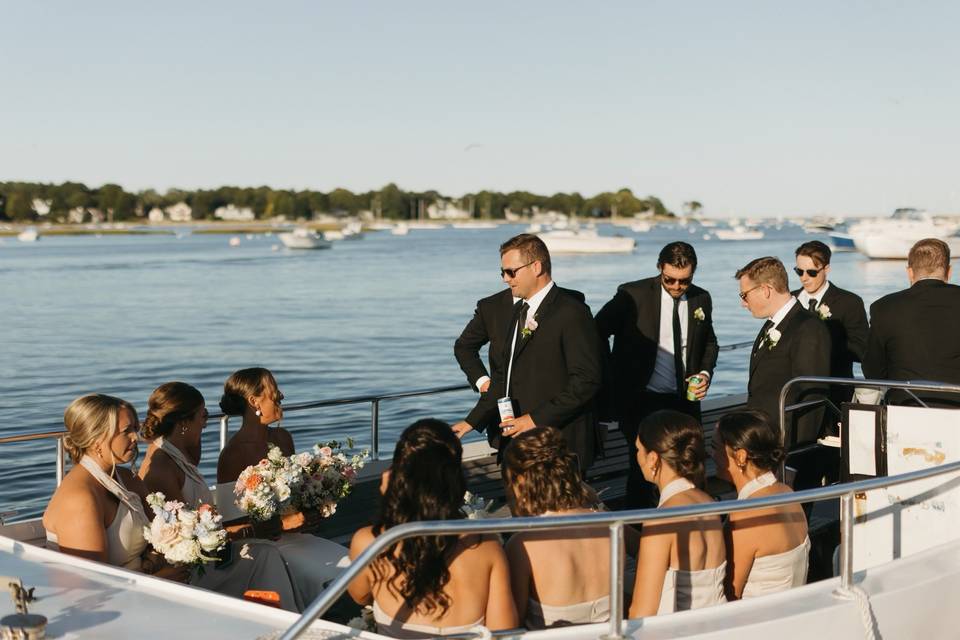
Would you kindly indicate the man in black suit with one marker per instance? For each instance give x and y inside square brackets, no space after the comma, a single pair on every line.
[842,311]
[913,333]
[792,342]
[662,330]
[544,355]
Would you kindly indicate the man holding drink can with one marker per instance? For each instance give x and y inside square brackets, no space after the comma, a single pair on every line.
[664,351]
[544,353]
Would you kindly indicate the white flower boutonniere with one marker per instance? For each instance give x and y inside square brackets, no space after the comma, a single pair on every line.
[772,338]
[529,327]
[824,312]
[699,314]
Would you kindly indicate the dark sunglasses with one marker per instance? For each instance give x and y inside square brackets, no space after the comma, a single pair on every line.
[683,282]
[512,273]
[810,272]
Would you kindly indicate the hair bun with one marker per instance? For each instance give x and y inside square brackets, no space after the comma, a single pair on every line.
[232,404]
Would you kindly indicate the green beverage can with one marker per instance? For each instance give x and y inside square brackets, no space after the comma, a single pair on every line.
[692,383]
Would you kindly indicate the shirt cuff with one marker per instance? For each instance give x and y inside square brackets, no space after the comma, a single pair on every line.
[705,373]
[480,381]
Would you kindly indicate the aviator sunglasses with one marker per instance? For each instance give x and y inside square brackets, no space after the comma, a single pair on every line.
[512,273]
[683,282]
[810,272]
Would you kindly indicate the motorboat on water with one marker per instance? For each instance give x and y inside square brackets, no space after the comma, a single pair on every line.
[891,238]
[303,238]
[842,241]
[906,596]
[739,232]
[400,229]
[28,235]
[588,240]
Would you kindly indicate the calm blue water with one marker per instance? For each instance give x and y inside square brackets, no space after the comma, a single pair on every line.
[123,314]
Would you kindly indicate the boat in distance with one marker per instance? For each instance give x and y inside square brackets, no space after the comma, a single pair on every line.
[562,241]
[302,238]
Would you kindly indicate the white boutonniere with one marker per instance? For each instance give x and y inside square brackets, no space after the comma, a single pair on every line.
[699,314]
[824,312]
[529,327]
[771,339]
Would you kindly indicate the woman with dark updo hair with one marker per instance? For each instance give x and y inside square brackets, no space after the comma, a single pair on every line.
[436,585]
[556,576]
[681,563]
[252,394]
[767,549]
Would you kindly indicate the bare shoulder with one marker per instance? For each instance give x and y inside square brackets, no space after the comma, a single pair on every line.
[74,499]
[360,541]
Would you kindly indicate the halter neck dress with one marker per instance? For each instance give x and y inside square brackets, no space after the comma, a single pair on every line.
[683,590]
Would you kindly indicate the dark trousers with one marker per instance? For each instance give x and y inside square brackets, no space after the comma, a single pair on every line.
[640,493]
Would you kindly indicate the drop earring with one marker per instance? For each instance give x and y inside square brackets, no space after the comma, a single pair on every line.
[257,413]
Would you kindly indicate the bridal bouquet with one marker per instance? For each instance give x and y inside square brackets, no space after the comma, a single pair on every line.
[328,476]
[184,536]
[308,481]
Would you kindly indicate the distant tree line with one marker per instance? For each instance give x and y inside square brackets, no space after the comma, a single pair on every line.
[29,201]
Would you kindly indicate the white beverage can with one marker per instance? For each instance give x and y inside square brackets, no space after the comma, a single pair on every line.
[505,407]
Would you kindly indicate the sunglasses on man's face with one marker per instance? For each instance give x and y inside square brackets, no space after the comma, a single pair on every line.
[683,282]
[512,273]
[810,272]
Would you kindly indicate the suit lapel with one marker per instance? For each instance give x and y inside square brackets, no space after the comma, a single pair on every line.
[513,316]
[783,327]
[543,312]
[693,333]
[757,350]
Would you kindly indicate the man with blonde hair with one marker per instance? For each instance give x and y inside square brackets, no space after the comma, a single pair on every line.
[913,333]
[792,342]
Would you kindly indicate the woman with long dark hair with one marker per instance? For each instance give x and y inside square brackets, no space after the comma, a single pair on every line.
[767,549]
[682,563]
[559,577]
[433,585]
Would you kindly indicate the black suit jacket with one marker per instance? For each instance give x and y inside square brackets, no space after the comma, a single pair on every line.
[914,336]
[803,350]
[556,370]
[848,329]
[632,317]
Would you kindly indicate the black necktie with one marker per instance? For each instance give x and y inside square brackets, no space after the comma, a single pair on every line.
[812,305]
[678,347]
[763,334]
[522,321]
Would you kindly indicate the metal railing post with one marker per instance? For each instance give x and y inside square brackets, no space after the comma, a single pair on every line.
[60,461]
[375,429]
[223,431]
[616,582]
[846,542]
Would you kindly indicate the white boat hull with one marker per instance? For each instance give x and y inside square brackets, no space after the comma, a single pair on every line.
[892,246]
[295,240]
[567,241]
[733,234]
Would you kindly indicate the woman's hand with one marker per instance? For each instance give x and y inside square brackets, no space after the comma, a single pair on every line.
[293,521]
[154,564]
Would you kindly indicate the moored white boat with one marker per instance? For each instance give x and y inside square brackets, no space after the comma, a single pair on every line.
[891,238]
[739,232]
[28,235]
[302,238]
[585,241]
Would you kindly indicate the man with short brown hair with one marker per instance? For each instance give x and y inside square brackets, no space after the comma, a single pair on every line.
[840,310]
[913,332]
[793,342]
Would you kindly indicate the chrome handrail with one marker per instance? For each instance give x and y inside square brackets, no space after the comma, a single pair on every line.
[224,419]
[615,521]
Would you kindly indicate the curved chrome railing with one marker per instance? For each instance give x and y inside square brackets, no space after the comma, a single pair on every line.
[615,520]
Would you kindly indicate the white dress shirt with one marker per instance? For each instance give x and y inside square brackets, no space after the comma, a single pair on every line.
[817,295]
[781,313]
[534,305]
[664,378]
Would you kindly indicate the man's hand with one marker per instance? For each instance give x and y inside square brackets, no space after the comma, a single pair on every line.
[701,389]
[486,385]
[513,426]
[461,429]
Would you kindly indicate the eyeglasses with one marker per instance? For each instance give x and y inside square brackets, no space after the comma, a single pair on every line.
[683,282]
[810,272]
[512,273]
[744,294]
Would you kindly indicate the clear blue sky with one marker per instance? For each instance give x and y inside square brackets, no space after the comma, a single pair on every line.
[752,108]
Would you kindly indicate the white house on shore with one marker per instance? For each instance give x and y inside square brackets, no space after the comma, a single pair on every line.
[41,207]
[446,210]
[155,215]
[180,212]
[235,214]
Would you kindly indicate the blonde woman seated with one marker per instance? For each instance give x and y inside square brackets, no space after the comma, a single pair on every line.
[299,565]
[431,586]
[681,563]
[767,549]
[558,577]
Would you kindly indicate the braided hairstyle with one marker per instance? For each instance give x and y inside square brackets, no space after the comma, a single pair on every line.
[678,438]
[542,475]
[751,431]
[426,483]
[90,420]
[169,405]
